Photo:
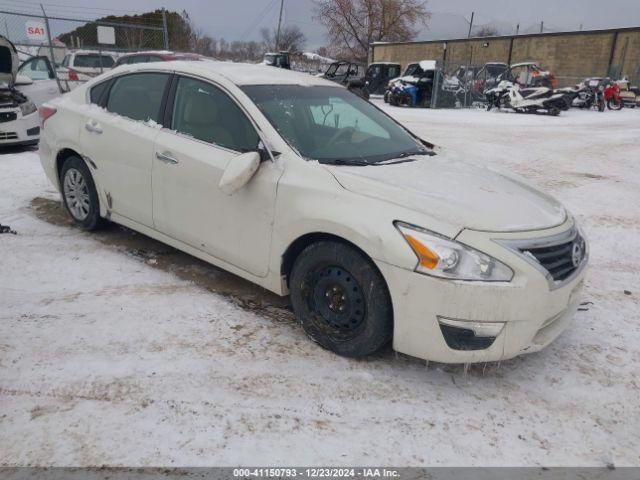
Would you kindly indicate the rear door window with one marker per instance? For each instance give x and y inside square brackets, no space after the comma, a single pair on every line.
[138,96]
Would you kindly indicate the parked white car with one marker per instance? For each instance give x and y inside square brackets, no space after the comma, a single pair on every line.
[19,123]
[83,65]
[300,186]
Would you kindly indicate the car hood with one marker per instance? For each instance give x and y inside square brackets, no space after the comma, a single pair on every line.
[455,193]
[8,62]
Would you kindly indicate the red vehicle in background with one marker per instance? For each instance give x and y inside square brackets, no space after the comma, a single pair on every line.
[612,96]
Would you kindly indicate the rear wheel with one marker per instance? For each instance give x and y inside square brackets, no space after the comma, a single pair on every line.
[341,299]
[79,194]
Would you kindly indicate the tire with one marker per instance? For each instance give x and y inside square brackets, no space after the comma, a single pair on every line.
[365,93]
[601,105]
[79,194]
[613,105]
[328,299]
[554,111]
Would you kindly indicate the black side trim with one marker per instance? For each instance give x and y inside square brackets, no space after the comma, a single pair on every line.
[168,101]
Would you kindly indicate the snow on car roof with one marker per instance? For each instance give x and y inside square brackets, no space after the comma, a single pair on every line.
[239,73]
[427,64]
[522,64]
[92,52]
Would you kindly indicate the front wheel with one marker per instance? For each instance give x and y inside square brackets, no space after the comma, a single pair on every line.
[614,104]
[79,194]
[341,299]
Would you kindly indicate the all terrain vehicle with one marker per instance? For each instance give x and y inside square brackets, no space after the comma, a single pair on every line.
[349,74]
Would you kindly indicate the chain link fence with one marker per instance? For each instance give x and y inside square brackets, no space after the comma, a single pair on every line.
[454,84]
[100,42]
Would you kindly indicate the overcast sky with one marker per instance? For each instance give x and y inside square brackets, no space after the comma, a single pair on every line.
[242,19]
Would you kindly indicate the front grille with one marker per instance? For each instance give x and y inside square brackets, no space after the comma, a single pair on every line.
[559,260]
[8,116]
[8,136]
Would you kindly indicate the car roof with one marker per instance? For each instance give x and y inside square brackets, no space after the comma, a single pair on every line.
[238,73]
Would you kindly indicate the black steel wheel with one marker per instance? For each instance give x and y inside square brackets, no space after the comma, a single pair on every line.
[341,299]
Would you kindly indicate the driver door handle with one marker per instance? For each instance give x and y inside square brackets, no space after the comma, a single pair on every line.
[166,157]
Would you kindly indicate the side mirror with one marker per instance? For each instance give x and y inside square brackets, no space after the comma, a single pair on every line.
[22,80]
[239,171]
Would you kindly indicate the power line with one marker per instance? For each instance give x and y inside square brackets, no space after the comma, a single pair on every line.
[69,6]
[258,20]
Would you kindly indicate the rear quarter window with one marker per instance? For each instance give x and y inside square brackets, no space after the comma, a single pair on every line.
[96,92]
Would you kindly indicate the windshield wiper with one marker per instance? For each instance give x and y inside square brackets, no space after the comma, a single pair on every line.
[431,153]
[343,161]
[395,161]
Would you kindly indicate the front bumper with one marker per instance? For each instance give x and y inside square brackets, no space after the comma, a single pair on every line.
[525,314]
[23,130]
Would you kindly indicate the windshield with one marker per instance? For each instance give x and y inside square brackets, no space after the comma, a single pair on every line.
[413,69]
[333,125]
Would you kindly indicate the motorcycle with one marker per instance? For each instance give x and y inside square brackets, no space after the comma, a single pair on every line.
[588,94]
[401,94]
[525,100]
[612,96]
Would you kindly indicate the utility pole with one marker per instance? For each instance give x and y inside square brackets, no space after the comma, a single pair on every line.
[470,24]
[165,30]
[279,24]
[53,59]
[542,27]
[518,29]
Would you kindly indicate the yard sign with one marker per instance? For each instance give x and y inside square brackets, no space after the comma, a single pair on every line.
[35,30]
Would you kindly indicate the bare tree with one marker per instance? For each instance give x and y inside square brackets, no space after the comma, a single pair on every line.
[291,39]
[353,25]
[486,31]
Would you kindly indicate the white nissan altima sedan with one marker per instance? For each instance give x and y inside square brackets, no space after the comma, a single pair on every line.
[300,186]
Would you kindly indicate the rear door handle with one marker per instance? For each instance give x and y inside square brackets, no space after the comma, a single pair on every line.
[93,127]
[166,157]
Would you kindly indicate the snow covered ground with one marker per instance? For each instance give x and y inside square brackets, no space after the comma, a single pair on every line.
[117,350]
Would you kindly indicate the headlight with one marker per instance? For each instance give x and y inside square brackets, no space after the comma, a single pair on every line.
[28,108]
[444,258]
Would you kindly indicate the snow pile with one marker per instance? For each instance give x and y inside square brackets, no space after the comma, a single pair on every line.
[317,58]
